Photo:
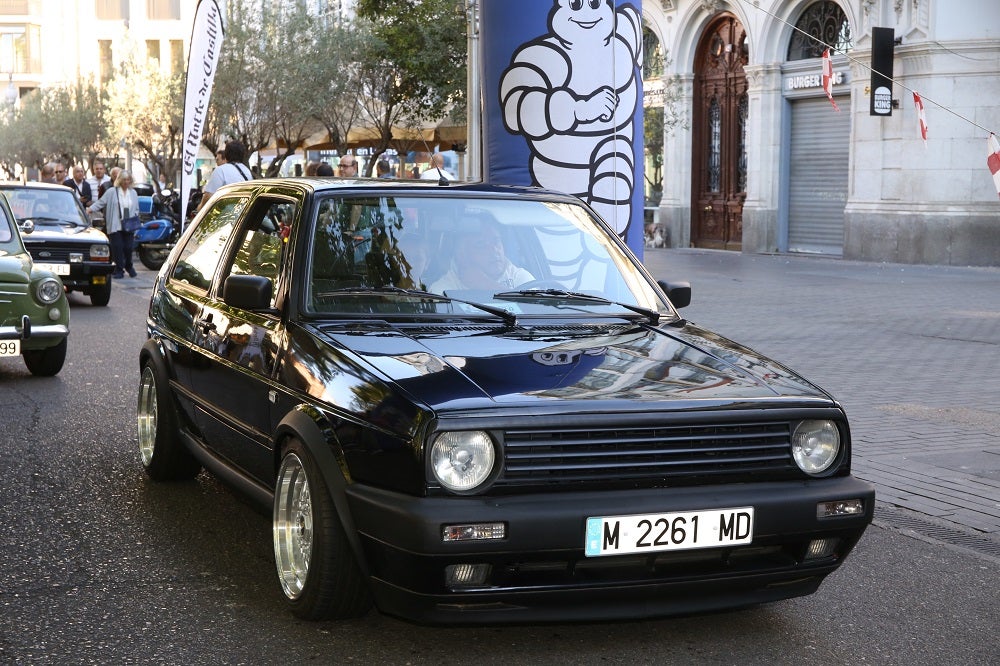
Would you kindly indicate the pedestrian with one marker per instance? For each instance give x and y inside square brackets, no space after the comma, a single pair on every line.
[436,170]
[99,181]
[119,203]
[59,173]
[231,169]
[47,174]
[348,166]
[78,183]
[324,169]
[382,169]
[311,168]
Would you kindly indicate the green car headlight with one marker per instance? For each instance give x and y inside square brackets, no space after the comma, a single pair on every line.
[48,291]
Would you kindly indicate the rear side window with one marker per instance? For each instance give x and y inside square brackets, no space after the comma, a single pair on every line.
[201,254]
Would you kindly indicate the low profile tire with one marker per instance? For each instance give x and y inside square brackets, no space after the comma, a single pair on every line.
[46,362]
[164,456]
[100,294]
[316,567]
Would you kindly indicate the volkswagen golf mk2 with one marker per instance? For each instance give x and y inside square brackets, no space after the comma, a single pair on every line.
[472,404]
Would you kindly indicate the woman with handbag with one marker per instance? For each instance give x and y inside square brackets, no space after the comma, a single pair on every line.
[121,219]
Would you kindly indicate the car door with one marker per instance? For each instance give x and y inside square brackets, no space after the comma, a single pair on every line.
[177,307]
[240,348]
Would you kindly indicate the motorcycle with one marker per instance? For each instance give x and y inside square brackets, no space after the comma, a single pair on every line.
[160,228]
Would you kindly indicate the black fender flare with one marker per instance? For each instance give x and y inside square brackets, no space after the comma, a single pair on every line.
[313,429]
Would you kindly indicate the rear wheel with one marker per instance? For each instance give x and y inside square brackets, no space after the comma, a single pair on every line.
[315,564]
[164,456]
[46,362]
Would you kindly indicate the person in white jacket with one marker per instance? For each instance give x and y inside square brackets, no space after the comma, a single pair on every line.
[119,203]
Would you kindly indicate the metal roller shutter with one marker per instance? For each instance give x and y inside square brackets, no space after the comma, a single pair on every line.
[818,175]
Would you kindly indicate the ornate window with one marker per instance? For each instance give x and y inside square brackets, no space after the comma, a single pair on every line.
[714,146]
[824,23]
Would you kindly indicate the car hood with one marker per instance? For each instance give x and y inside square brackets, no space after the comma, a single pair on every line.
[620,366]
[46,232]
[15,268]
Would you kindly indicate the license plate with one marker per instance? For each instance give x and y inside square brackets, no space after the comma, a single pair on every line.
[58,269]
[10,347]
[654,532]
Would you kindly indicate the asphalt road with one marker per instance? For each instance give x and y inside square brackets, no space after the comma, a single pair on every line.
[102,566]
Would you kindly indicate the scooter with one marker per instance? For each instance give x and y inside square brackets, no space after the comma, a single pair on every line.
[157,236]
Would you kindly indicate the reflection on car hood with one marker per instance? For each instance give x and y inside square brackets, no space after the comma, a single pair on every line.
[622,365]
[14,268]
[47,232]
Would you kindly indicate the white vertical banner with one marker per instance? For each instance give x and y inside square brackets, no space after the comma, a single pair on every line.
[203,58]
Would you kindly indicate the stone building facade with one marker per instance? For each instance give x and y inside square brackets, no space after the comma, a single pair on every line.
[764,163]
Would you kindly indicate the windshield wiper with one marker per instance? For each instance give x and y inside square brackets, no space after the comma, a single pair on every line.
[652,315]
[508,317]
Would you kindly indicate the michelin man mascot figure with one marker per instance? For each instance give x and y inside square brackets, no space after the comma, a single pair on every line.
[573,95]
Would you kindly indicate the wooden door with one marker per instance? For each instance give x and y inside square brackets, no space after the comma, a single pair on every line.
[719,134]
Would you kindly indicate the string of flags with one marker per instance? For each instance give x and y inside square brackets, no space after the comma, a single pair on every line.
[921,116]
[828,78]
[993,159]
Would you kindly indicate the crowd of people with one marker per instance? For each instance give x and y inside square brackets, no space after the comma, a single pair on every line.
[110,197]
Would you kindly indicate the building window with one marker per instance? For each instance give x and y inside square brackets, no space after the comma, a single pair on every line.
[13,49]
[176,56]
[111,10]
[824,23]
[163,10]
[153,50]
[107,64]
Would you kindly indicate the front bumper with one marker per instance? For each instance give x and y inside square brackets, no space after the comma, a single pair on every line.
[539,571]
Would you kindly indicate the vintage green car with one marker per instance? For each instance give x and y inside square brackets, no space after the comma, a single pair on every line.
[34,313]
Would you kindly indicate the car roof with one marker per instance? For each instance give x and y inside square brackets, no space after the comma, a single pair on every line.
[400,186]
[33,185]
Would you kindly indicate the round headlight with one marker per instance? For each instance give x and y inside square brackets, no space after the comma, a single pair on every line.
[48,291]
[815,445]
[461,461]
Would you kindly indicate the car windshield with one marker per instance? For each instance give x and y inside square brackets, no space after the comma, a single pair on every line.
[477,256]
[6,231]
[55,206]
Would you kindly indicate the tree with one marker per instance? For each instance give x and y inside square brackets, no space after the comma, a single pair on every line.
[413,70]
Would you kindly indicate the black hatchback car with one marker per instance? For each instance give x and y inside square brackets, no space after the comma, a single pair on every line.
[60,238]
[472,404]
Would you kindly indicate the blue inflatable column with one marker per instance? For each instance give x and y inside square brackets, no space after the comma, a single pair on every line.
[562,92]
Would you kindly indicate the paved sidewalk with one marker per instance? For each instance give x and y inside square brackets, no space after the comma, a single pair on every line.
[913,353]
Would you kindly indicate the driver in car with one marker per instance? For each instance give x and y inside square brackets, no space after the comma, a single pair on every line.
[480,262]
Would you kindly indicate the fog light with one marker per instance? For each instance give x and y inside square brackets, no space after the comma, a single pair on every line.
[474,532]
[851,507]
[466,575]
[54,314]
[76,257]
[820,548]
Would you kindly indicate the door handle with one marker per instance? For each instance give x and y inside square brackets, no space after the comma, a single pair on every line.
[707,209]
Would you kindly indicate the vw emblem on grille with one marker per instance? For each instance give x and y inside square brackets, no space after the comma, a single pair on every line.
[44,253]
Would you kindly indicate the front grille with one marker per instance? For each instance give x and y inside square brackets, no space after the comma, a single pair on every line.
[646,454]
[53,252]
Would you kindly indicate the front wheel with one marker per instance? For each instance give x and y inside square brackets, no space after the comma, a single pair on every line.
[100,294]
[153,257]
[46,362]
[315,564]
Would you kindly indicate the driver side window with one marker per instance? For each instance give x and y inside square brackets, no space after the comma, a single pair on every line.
[262,243]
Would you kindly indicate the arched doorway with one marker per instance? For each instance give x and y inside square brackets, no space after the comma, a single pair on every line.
[719,167]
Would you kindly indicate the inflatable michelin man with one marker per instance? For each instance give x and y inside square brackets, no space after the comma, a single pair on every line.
[573,95]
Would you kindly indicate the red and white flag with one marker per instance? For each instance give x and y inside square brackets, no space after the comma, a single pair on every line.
[993,159]
[828,78]
[919,104]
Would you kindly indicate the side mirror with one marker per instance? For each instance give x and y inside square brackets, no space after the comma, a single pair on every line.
[247,292]
[679,293]
[27,227]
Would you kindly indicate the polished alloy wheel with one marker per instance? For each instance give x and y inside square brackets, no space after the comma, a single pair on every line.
[146,415]
[293,526]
